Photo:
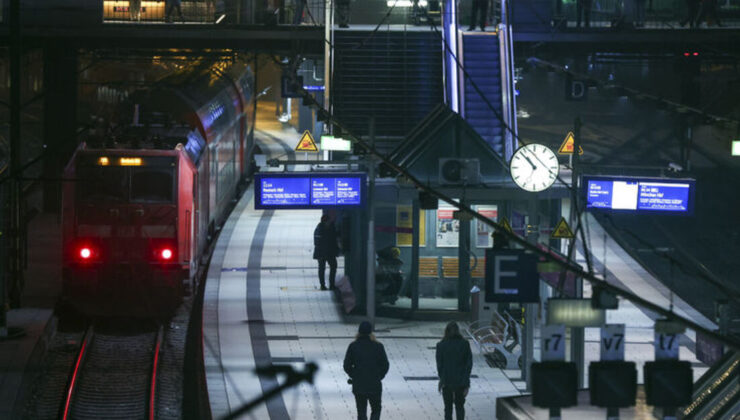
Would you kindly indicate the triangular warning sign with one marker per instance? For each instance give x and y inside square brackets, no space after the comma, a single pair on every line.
[306,143]
[506,225]
[567,147]
[562,230]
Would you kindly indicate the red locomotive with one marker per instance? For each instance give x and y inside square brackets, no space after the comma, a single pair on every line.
[137,214]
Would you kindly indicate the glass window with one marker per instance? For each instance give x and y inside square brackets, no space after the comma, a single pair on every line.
[151,185]
[97,183]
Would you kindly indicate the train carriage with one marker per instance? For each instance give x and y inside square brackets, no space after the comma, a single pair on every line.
[138,214]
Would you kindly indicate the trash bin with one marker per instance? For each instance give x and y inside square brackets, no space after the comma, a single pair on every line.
[474,303]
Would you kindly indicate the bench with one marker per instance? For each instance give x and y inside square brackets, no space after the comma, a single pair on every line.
[428,267]
[498,338]
[451,267]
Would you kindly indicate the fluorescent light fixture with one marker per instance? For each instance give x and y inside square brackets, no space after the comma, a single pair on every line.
[574,313]
[220,19]
[405,3]
[736,148]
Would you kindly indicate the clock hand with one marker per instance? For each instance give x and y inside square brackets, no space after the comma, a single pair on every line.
[534,167]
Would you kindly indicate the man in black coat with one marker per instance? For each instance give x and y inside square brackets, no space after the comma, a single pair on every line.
[454,364]
[367,364]
[478,6]
[326,250]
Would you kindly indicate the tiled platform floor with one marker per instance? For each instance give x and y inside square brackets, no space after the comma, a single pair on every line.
[303,323]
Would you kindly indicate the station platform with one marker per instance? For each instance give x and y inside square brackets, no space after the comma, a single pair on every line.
[263,304]
[31,326]
[20,356]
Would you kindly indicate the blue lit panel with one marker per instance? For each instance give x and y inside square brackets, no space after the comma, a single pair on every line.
[307,191]
[639,194]
[284,191]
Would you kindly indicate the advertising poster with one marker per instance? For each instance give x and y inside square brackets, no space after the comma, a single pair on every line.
[448,228]
[483,238]
[404,220]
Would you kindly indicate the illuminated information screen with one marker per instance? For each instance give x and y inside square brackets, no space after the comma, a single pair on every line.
[640,194]
[307,191]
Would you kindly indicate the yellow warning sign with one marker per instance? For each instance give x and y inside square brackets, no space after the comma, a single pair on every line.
[506,225]
[306,143]
[568,144]
[562,230]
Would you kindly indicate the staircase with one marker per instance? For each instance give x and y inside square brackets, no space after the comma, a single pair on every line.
[395,76]
[481,59]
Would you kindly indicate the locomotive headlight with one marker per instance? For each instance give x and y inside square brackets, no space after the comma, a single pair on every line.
[129,161]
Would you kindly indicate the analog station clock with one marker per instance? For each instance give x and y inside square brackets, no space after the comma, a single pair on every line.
[534,167]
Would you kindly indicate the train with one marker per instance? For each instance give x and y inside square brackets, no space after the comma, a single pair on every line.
[138,207]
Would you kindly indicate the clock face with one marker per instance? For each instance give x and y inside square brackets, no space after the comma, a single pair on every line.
[534,167]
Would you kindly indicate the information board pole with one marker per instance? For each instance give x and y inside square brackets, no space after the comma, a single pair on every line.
[577,334]
[530,309]
[370,281]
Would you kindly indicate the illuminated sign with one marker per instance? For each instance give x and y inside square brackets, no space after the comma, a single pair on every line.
[736,148]
[335,143]
[129,161]
[574,313]
[628,194]
[308,190]
[103,161]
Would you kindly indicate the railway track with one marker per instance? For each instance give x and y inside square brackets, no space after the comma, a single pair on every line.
[114,377]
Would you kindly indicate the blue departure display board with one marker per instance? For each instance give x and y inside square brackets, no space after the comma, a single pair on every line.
[630,194]
[308,190]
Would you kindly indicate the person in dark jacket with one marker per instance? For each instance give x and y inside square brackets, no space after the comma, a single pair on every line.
[454,364]
[343,13]
[478,6]
[366,364]
[326,250]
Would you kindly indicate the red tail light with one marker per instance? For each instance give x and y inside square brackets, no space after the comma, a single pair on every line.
[86,253]
[166,254]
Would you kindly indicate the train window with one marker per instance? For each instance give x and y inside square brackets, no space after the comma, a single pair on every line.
[101,183]
[152,185]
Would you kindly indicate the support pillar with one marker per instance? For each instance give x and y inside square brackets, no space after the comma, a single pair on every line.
[415,225]
[60,117]
[463,267]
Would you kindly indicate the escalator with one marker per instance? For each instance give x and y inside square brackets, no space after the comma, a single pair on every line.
[717,392]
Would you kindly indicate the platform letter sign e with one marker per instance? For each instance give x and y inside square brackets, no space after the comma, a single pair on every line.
[511,276]
[612,342]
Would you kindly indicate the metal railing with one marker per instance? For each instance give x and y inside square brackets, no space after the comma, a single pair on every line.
[649,14]
[280,12]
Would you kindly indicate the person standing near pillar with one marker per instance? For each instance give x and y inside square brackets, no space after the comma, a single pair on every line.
[478,6]
[454,364]
[326,250]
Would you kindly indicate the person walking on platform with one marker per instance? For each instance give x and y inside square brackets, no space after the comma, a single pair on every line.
[454,364]
[478,6]
[366,364]
[171,5]
[326,250]
[692,10]
[343,13]
[583,10]
[300,5]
